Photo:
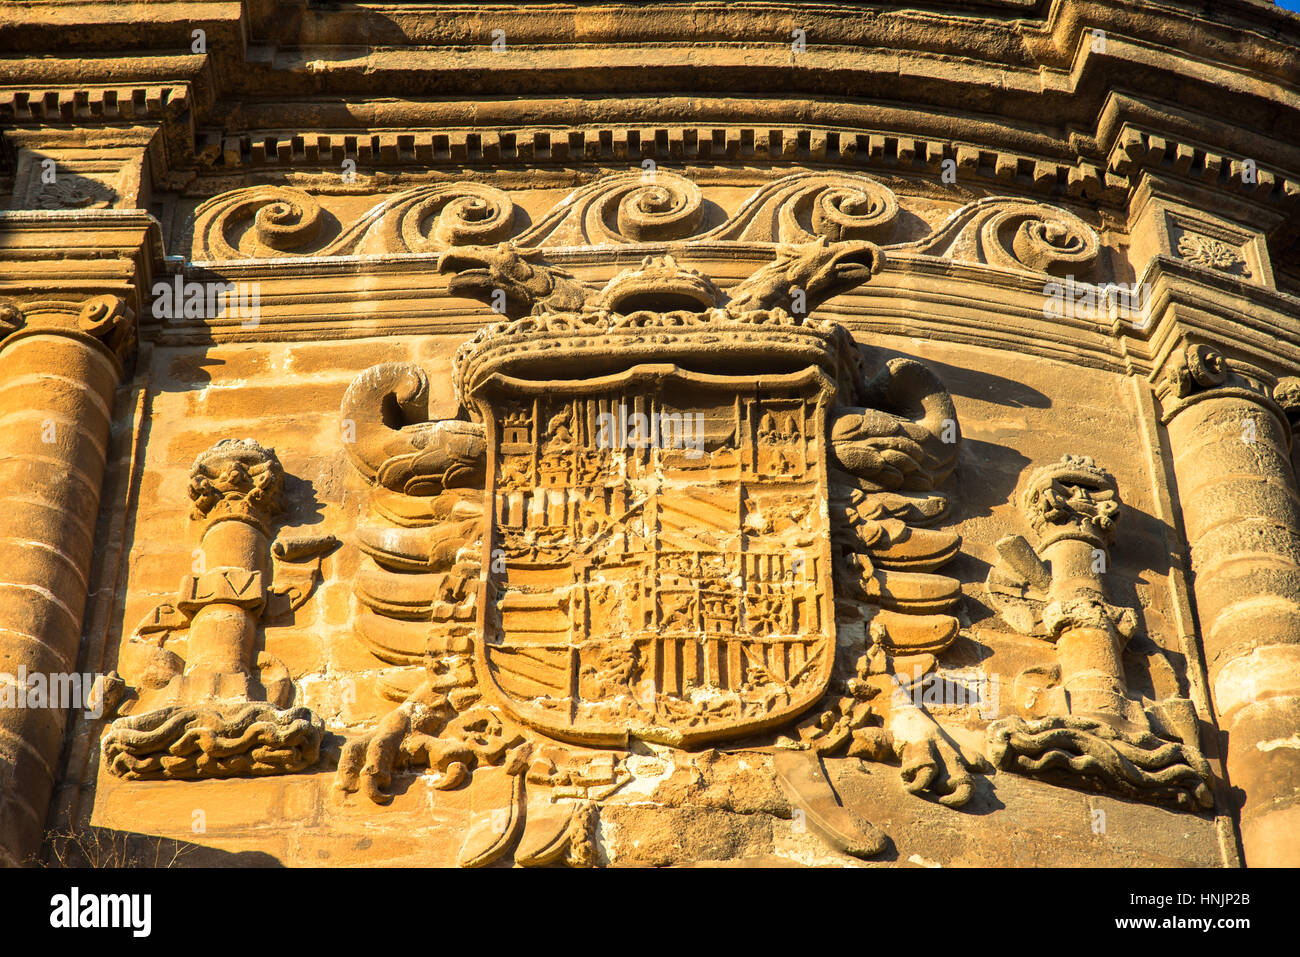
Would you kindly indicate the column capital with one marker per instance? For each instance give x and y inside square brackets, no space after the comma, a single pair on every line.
[237,479]
[1287,395]
[105,321]
[1195,371]
[74,255]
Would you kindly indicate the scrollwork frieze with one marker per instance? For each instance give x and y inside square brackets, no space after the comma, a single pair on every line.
[639,207]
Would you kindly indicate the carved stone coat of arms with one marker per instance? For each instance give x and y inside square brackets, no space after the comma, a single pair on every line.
[674,512]
[656,503]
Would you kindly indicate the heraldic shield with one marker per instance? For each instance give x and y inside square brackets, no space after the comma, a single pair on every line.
[658,552]
[651,507]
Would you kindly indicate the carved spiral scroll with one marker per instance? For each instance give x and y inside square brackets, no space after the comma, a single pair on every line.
[108,319]
[1206,367]
[804,206]
[667,209]
[380,401]
[622,208]
[438,217]
[1014,234]
[258,222]
[267,221]
[633,208]
[849,212]
[642,207]
[1044,245]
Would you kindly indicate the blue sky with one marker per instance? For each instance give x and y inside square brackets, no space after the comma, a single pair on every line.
[1289,4]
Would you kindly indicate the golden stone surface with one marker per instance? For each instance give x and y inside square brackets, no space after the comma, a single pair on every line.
[621,435]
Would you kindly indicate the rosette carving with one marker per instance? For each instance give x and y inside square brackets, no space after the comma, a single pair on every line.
[70,191]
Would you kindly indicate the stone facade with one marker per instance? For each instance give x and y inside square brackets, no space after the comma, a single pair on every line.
[643,435]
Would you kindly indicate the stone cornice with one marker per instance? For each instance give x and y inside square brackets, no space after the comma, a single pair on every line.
[1255,328]
[1015,71]
[77,254]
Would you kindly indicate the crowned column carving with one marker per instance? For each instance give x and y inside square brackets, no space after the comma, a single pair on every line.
[1230,441]
[1073,507]
[1077,721]
[224,710]
[237,488]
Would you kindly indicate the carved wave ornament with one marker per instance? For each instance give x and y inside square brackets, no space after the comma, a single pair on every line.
[629,208]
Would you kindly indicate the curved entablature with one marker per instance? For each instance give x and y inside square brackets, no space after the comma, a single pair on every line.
[1020,98]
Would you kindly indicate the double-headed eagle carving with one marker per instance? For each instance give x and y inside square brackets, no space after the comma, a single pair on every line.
[545,600]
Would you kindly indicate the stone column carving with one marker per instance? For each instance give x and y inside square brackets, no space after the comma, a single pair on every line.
[1230,445]
[60,363]
[1073,507]
[224,710]
[237,489]
[1077,720]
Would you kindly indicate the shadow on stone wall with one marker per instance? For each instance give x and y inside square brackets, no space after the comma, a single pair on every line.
[101,847]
